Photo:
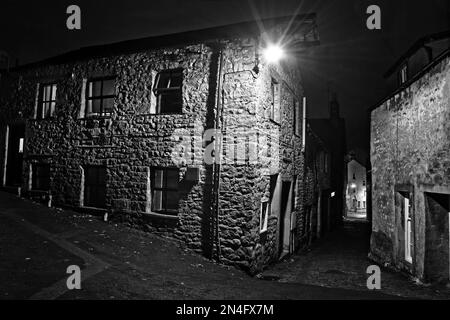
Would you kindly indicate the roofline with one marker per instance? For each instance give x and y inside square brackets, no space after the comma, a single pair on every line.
[418,75]
[416,46]
[249,27]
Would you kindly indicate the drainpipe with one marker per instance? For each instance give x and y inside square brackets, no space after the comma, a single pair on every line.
[218,124]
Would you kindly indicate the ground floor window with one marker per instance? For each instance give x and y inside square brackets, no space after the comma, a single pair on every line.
[264,215]
[165,190]
[40,179]
[95,186]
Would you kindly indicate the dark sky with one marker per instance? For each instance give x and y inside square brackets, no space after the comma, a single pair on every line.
[351,58]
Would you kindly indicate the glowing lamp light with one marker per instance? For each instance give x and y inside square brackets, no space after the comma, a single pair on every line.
[353,185]
[273,53]
[333,194]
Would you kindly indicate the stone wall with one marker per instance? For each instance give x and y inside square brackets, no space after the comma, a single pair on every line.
[132,140]
[410,150]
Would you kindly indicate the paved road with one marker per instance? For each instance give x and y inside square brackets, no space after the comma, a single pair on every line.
[38,244]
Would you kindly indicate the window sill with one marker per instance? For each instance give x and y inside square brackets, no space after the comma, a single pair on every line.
[162,215]
[94,118]
[44,119]
[93,209]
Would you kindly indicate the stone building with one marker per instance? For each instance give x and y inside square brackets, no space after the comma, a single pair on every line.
[319,213]
[196,135]
[356,192]
[410,160]
[332,132]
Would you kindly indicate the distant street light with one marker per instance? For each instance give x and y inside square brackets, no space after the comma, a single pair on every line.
[353,185]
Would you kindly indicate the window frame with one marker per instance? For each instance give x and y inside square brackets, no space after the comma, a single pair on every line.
[163,189]
[403,73]
[159,92]
[101,97]
[275,103]
[40,109]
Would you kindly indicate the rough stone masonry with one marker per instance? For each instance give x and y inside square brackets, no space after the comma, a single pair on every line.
[133,140]
[410,155]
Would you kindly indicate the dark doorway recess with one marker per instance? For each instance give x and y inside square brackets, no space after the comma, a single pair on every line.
[14,160]
[437,208]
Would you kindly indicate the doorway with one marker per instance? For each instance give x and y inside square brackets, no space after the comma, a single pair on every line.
[437,251]
[14,155]
[285,218]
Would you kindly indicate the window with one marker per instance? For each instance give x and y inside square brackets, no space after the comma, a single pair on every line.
[21,145]
[408,229]
[264,216]
[403,75]
[326,162]
[275,101]
[354,176]
[40,179]
[100,96]
[167,90]
[165,190]
[364,204]
[46,101]
[297,118]
[95,186]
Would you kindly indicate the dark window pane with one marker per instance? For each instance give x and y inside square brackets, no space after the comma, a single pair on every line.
[41,177]
[95,89]
[95,186]
[109,87]
[170,102]
[96,106]
[172,200]
[176,79]
[163,80]
[108,104]
[172,179]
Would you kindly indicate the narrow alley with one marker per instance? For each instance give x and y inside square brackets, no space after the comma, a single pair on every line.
[340,260]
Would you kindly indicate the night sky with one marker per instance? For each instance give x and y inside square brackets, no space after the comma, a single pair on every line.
[351,59]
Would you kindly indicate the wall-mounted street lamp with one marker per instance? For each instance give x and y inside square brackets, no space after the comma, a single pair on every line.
[273,53]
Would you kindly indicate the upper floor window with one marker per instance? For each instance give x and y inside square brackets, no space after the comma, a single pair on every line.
[100,94]
[403,75]
[275,101]
[46,101]
[297,118]
[165,190]
[168,92]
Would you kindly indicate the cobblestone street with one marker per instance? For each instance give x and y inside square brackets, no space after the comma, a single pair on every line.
[340,261]
[117,262]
